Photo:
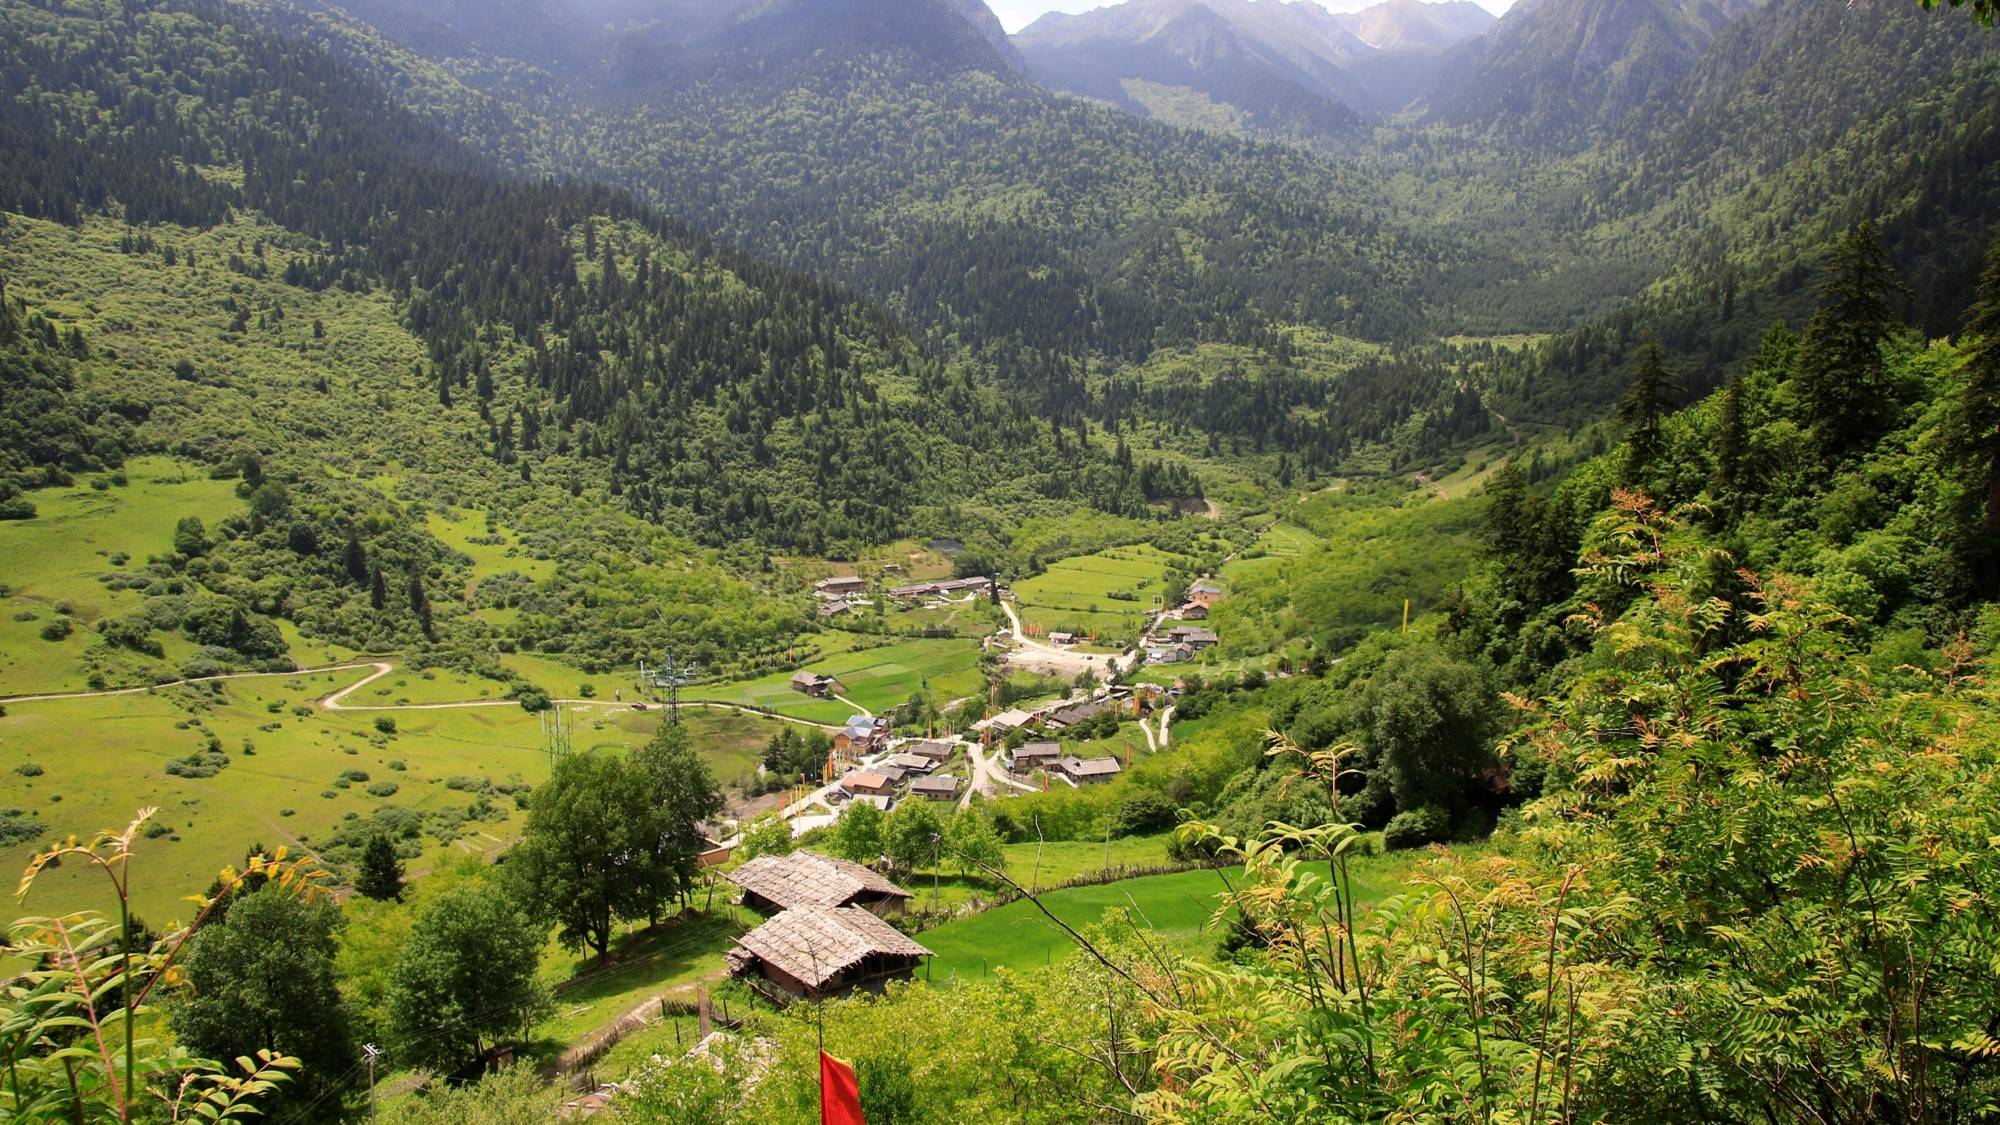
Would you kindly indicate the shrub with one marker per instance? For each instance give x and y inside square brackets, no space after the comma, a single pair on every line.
[57,629]
[385,724]
[18,827]
[397,764]
[383,789]
[1416,827]
[18,508]
[1146,811]
[356,776]
[28,769]
[207,763]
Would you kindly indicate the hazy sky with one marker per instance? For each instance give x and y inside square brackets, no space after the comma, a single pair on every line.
[1017,14]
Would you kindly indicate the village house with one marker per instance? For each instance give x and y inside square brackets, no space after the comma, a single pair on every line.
[772,883]
[813,952]
[875,782]
[936,749]
[1196,639]
[1205,594]
[814,684]
[1194,611]
[833,609]
[862,735]
[1161,653]
[943,787]
[1006,721]
[1062,638]
[1033,756]
[911,763]
[1070,716]
[1087,771]
[913,591]
[957,587]
[829,588]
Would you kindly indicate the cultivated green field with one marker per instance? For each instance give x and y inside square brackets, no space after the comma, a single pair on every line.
[95,761]
[1174,907]
[1075,594]
[78,534]
[874,678]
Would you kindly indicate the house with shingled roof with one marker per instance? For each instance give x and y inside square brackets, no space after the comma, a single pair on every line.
[772,883]
[813,952]
[943,787]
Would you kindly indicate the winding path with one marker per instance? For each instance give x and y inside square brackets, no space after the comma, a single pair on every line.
[336,700]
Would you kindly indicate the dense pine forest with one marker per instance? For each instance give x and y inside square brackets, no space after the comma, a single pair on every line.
[1525,554]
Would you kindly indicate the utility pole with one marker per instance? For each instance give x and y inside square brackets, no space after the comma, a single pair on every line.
[666,682]
[373,1052]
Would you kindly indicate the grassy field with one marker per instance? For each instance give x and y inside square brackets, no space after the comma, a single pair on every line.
[875,678]
[94,762]
[77,535]
[1175,907]
[1075,594]
[488,559]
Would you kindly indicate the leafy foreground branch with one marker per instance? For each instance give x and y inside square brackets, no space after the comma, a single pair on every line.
[75,1027]
[1759,885]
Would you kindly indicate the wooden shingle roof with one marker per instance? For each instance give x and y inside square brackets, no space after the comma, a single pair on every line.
[814,944]
[810,879]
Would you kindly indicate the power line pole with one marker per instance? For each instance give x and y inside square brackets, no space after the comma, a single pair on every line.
[667,680]
[373,1052]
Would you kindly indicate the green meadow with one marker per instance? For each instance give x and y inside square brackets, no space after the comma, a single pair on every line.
[1177,908]
[875,678]
[1108,594]
[78,534]
[88,764]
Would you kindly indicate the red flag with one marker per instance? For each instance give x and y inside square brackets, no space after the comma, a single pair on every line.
[839,1093]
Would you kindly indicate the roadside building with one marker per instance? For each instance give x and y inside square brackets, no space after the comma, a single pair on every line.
[1066,717]
[861,736]
[1194,611]
[1194,638]
[1033,756]
[1088,771]
[910,764]
[772,883]
[814,684]
[875,782]
[814,952]
[936,749]
[830,588]
[1206,593]
[1063,639]
[943,787]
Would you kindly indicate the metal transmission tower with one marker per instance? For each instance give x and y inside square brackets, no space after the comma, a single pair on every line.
[666,682]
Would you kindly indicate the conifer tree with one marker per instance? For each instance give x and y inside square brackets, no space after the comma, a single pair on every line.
[420,605]
[1645,403]
[1841,379]
[1972,441]
[355,558]
[381,875]
[1732,442]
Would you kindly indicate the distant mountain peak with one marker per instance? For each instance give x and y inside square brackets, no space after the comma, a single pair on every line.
[1418,24]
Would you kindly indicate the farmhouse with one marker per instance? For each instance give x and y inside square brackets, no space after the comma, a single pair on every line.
[976,585]
[913,591]
[832,609]
[879,783]
[1196,639]
[828,588]
[1062,638]
[940,788]
[1009,720]
[814,684]
[1079,713]
[1194,611]
[779,882]
[812,952]
[1161,653]
[862,735]
[1087,771]
[911,763]
[1205,593]
[937,750]
[1033,755]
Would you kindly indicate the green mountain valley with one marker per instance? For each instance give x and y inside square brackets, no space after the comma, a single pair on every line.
[1213,561]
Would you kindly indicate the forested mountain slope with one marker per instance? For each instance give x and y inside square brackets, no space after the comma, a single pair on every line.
[336,295]
[874,143]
